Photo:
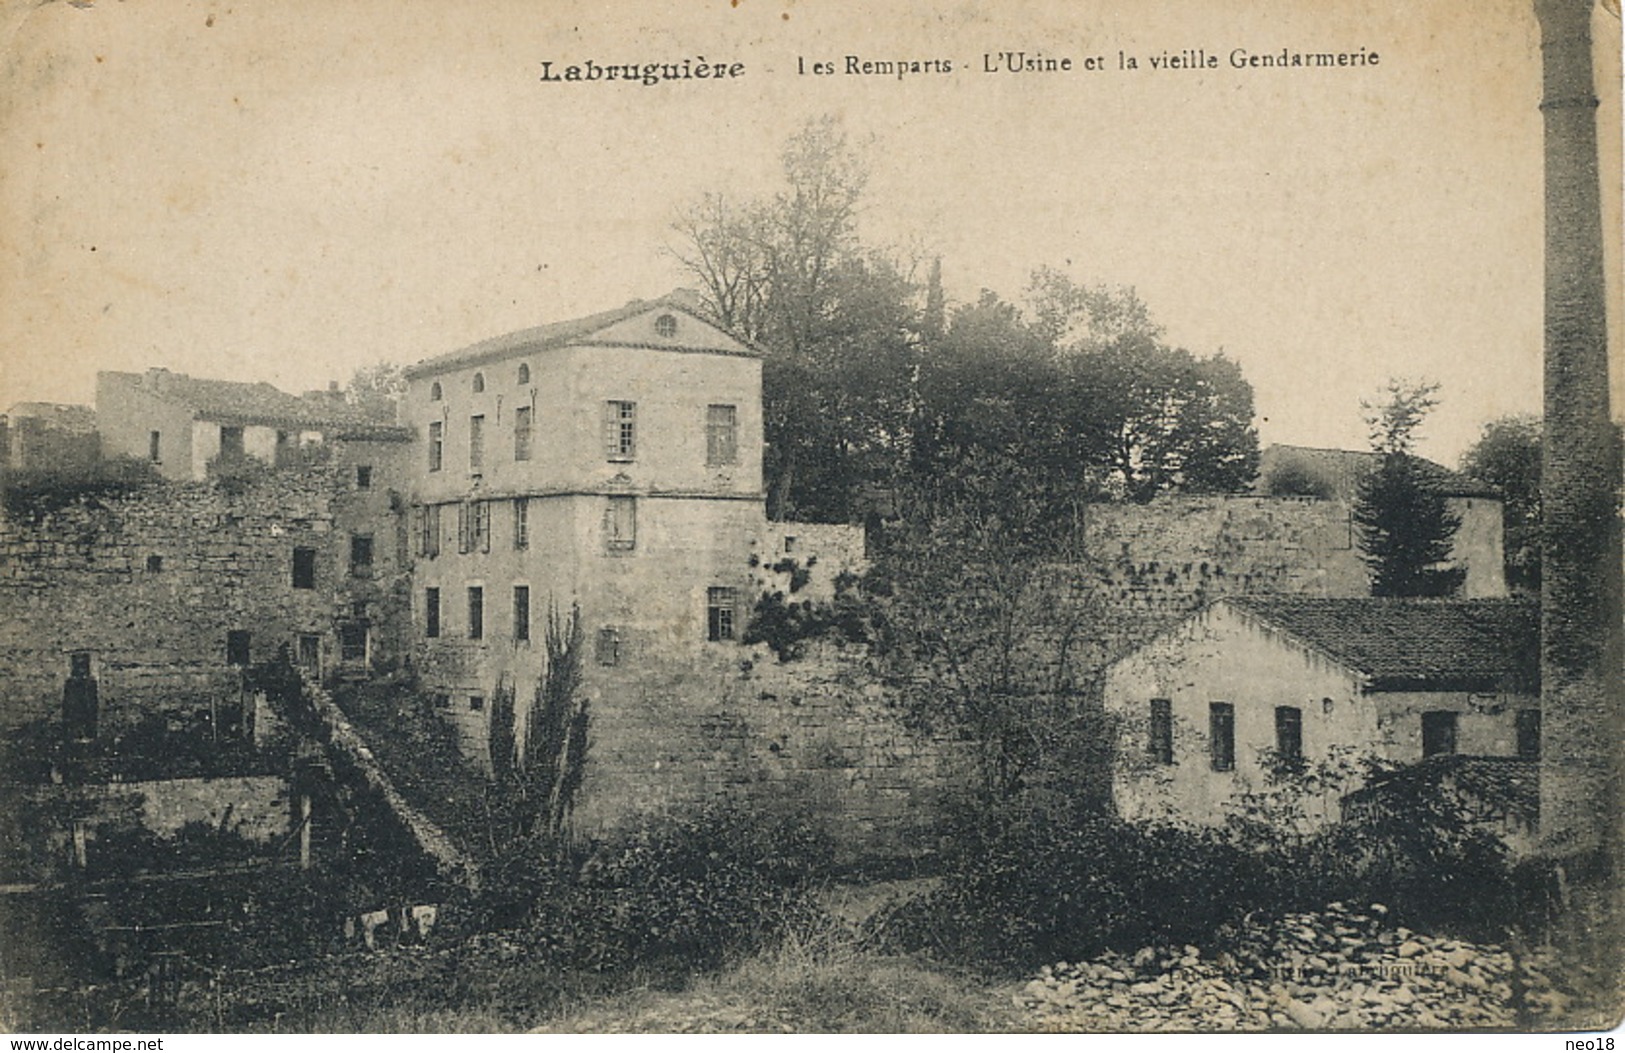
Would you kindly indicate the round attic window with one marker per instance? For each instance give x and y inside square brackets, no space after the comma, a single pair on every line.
[524,373]
[434,392]
[666,325]
[479,383]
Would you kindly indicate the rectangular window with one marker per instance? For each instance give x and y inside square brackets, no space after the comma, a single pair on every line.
[609,646]
[720,602]
[1529,734]
[521,433]
[153,447]
[231,443]
[1221,733]
[237,647]
[304,568]
[521,522]
[437,444]
[1289,734]
[721,435]
[442,701]
[621,523]
[155,564]
[1161,744]
[431,611]
[476,703]
[429,541]
[1438,733]
[353,642]
[360,555]
[310,652]
[621,430]
[79,665]
[363,477]
[474,527]
[521,612]
[476,442]
[476,612]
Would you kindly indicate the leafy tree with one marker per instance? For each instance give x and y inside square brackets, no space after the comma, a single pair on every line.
[1406,528]
[1507,456]
[978,602]
[990,387]
[863,382]
[1163,418]
[837,322]
[377,388]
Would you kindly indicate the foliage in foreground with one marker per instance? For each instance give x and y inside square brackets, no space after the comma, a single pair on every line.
[1029,888]
[695,891]
[820,979]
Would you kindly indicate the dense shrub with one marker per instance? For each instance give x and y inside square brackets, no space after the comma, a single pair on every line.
[1022,890]
[786,625]
[33,493]
[1039,891]
[694,892]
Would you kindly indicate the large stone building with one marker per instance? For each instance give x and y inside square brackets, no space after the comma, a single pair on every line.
[612,464]
[1285,698]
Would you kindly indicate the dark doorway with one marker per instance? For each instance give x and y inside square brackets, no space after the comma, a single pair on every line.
[1438,734]
[80,704]
[237,649]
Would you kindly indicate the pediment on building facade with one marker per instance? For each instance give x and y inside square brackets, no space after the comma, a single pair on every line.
[674,322]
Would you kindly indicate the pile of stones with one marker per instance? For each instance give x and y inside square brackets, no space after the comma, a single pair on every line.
[1331,970]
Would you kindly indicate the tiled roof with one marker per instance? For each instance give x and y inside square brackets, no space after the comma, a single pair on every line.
[1341,470]
[1415,644]
[236,402]
[559,334]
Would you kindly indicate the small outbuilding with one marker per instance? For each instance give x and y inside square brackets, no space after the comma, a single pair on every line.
[1273,706]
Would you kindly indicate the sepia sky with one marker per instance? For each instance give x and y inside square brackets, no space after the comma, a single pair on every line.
[285,192]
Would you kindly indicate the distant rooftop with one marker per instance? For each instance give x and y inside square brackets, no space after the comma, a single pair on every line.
[237,402]
[1340,471]
[562,334]
[1415,644]
[66,416]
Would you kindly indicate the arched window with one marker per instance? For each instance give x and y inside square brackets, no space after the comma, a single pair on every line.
[524,373]
[479,383]
[666,325]
[434,392]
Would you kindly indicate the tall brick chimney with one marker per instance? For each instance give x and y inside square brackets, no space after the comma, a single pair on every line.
[1582,660]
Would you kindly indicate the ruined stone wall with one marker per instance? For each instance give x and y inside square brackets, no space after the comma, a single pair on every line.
[1153,564]
[38,442]
[150,584]
[806,560]
[815,736]
[253,807]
